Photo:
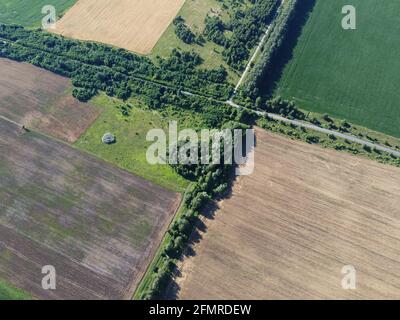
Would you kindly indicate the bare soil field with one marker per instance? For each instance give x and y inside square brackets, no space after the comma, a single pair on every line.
[135,25]
[98,225]
[42,100]
[287,230]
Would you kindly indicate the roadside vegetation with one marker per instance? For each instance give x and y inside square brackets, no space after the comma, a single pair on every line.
[289,110]
[223,33]
[280,29]
[327,141]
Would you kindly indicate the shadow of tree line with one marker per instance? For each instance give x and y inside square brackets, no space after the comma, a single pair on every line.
[285,53]
[206,214]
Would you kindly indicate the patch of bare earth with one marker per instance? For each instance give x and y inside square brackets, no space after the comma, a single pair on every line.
[287,230]
[42,100]
[98,225]
[134,25]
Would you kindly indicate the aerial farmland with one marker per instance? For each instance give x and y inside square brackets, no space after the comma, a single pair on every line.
[97,224]
[42,100]
[107,188]
[349,74]
[134,25]
[286,231]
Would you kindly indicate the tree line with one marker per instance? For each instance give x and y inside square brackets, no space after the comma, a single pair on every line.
[279,32]
[210,182]
[94,66]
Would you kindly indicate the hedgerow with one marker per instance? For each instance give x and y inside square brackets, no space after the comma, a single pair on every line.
[100,67]
[279,32]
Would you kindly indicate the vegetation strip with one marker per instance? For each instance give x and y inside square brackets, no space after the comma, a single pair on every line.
[109,68]
[177,80]
[348,74]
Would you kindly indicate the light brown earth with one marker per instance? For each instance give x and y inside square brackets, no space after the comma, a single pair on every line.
[135,25]
[288,229]
[98,225]
[42,100]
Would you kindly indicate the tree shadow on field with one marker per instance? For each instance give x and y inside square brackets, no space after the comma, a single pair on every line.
[207,214]
[285,53]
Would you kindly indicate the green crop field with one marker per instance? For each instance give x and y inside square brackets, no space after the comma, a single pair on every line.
[8,292]
[29,12]
[349,74]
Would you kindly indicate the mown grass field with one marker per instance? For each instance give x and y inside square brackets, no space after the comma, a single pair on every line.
[29,12]
[349,74]
[130,150]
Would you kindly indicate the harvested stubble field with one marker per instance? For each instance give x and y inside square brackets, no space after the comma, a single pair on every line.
[96,224]
[42,100]
[289,228]
[135,25]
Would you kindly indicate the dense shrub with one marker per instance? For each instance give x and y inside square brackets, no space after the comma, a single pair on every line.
[101,67]
[183,32]
[247,27]
[278,34]
[214,30]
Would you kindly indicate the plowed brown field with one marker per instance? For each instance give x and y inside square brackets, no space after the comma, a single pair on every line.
[288,229]
[42,100]
[98,225]
[135,25]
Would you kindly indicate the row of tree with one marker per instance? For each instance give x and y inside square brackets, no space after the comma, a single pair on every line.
[211,181]
[279,31]
[247,27]
[74,58]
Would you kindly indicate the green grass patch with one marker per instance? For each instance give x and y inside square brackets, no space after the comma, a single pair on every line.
[129,152]
[194,12]
[9,292]
[349,74]
[29,12]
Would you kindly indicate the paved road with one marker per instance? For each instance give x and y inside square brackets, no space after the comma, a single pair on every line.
[311,126]
[303,124]
[271,115]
